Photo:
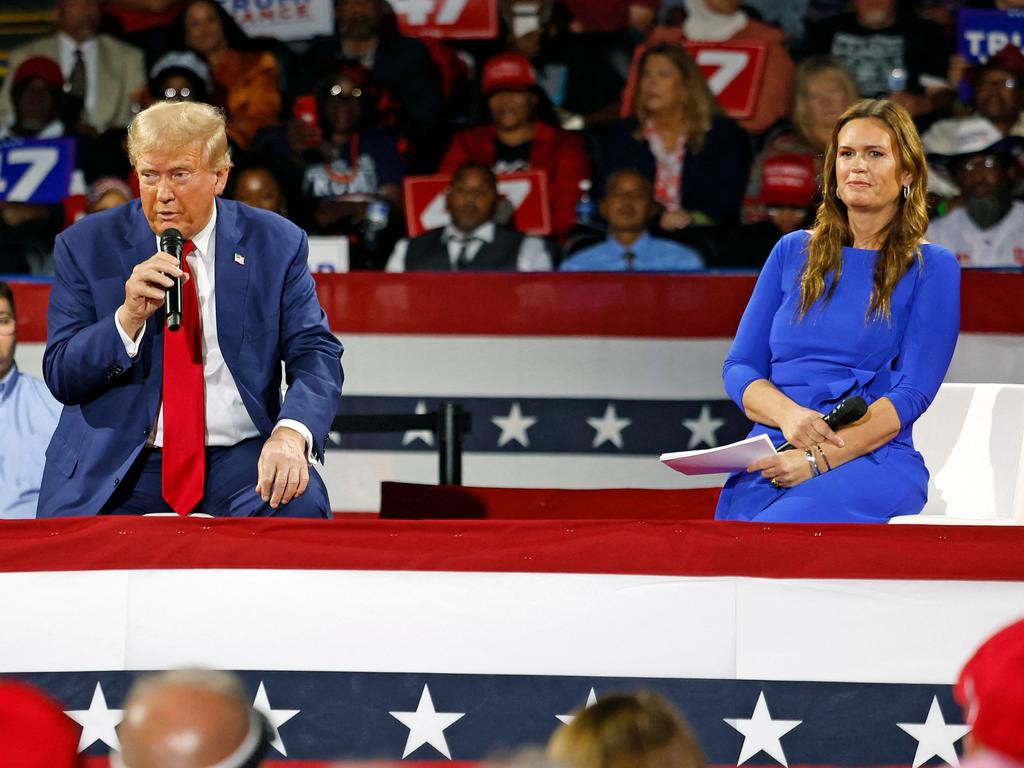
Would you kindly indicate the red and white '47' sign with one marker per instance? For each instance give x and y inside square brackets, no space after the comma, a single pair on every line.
[454,19]
[527,191]
[733,71]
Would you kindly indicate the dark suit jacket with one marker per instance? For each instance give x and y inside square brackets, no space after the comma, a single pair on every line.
[267,311]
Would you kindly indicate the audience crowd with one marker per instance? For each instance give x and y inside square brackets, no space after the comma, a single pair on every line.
[326,130]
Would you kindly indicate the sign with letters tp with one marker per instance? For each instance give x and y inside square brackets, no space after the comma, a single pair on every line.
[451,19]
[526,191]
[36,170]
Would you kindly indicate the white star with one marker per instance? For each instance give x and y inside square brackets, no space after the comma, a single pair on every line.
[591,700]
[98,722]
[934,737]
[514,426]
[426,726]
[762,734]
[275,717]
[419,434]
[609,427]
[703,428]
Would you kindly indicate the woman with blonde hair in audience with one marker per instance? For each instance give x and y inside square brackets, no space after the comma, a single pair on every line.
[639,730]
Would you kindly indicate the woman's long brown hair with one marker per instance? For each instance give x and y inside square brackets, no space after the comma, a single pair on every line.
[698,106]
[900,238]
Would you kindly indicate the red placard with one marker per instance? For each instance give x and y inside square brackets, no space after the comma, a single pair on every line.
[527,191]
[734,72]
[452,19]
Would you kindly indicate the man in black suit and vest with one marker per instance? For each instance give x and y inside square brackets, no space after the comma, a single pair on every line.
[473,241]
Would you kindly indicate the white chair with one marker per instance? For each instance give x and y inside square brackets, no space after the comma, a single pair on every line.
[972,440]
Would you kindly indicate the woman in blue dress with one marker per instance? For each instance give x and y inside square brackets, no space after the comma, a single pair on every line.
[860,305]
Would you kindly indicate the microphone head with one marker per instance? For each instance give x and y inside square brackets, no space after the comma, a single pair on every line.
[171,237]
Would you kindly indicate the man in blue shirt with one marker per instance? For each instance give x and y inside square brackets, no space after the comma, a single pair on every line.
[628,206]
[28,416]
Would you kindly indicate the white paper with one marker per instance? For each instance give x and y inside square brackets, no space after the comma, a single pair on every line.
[725,458]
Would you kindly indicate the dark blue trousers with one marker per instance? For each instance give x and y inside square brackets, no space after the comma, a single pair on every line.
[230,484]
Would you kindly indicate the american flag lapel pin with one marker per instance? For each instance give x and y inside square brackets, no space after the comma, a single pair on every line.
[239,259]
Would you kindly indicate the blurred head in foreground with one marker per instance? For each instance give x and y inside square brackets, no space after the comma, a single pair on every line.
[34,731]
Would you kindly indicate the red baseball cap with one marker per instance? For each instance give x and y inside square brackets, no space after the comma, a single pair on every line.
[39,66]
[789,180]
[991,692]
[508,72]
[34,731]
[1009,59]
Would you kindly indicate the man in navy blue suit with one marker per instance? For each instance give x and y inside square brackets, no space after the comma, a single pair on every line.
[190,420]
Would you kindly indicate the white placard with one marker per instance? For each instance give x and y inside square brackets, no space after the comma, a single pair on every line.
[328,254]
[282,19]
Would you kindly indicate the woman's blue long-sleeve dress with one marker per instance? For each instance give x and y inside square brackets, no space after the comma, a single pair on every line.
[834,352]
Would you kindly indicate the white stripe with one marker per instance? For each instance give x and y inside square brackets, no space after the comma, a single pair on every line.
[499,623]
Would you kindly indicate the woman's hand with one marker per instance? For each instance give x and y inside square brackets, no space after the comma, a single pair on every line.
[804,428]
[785,469]
[672,220]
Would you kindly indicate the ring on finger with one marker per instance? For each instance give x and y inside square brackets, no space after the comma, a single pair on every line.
[776,484]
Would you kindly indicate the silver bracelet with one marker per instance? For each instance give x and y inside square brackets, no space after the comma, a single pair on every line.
[813,462]
[821,450]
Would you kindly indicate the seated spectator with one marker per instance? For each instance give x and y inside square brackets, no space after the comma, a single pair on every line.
[102,74]
[346,162]
[245,78]
[890,52]
[29,414]
[789,188]
[473,242]
[822,92]
[696,157]
[988,231]
[106,193]
[515,140]
[264,180]
[179,76]
[990,690]
[628,206]
[34,731]
[640,730]
[190,717]
[998,100]
[722,21]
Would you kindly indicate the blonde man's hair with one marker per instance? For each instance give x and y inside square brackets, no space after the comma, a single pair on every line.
[640,730]
[175,125]
[899,239]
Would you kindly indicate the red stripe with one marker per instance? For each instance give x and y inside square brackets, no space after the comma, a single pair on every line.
[653,306]
[535,546]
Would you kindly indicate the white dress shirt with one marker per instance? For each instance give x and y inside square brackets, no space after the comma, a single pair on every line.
[532,256]
[227,421]
[89,56]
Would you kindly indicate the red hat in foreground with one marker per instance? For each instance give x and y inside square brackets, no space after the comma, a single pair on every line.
[991,692]
[788,180]
[34,731]
[508,72]
[39,66]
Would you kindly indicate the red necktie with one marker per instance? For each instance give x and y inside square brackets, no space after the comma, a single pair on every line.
[184,454]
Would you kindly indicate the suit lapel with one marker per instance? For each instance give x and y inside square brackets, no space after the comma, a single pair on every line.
[232,282]
[140,244]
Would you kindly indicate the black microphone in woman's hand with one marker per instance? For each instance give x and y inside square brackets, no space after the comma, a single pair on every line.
[171,242]
[848,411]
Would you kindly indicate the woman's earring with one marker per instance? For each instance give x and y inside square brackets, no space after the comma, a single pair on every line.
[906,191]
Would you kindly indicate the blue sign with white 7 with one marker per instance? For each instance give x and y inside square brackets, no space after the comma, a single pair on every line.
[36,170]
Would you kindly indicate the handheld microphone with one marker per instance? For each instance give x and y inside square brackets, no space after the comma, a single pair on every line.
[171,242]
[849,410]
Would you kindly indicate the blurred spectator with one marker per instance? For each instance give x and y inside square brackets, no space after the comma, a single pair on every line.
[697,157]
[101,74]
[264,180]
[721,21]
[823,91]
[998,100]
[34,731]
[628,206]
[107,193]
[790,185]
[27,230]
[515,140]
[889,51]
[179,76]
[190,717]
[29,414]
[401,65]
[245,78]
[988,231]
[581,71]
[146,24]
[990,689]
[640,730]
[473,242]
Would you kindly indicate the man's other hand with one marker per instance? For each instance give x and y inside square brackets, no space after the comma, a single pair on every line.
[283,469]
